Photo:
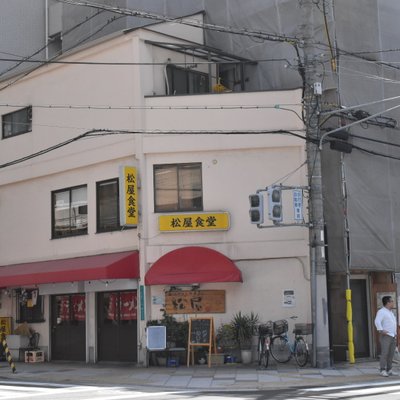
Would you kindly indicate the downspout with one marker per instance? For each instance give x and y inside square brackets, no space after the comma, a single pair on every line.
[313,309]
[349,308]
[46,28]
[166,76]
[142,237]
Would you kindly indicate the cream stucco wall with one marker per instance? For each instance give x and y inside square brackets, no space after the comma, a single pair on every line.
[233,167]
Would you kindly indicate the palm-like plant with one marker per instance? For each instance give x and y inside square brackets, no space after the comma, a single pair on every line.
[244,326]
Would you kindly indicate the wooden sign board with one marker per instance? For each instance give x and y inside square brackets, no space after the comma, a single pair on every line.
[201,334]
[195,301]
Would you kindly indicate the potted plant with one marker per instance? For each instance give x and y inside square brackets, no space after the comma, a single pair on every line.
[244,327]
[226,338]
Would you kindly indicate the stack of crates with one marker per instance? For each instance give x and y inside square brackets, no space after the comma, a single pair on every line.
[34,356]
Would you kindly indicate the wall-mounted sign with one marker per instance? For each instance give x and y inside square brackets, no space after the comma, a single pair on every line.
[195,301]
[289,299]
[5,325]
[210,221]
[128,195]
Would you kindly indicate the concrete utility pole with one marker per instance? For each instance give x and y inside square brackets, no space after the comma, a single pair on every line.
[312,95]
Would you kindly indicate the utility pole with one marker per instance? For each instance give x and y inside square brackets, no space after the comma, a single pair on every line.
[312,95]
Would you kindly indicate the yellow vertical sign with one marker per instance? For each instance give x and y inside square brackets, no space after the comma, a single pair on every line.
[5,325]
[128,196]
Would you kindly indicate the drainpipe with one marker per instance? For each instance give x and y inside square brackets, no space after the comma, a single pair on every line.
[349,308]
[313,309]
[142,236]
[46,28]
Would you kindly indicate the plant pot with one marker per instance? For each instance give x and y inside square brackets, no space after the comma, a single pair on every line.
[245,355]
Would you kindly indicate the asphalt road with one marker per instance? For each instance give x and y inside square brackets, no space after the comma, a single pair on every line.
[17,390]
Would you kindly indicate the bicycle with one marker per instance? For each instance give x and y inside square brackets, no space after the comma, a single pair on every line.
[282,350]
[264,340]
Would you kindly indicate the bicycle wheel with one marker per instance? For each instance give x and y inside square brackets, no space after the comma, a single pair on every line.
[280,349]
[263,353]
[301,352]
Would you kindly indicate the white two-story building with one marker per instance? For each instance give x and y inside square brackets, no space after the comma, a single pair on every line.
[154,117]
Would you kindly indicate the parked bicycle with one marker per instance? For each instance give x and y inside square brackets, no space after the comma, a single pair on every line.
[281,348]
[264,340]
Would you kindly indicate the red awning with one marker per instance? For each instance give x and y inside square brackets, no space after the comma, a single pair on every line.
[105,266]
[190,265]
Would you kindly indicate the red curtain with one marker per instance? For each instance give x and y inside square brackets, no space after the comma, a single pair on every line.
[78,307]
[64,308]
[128,306]
[127,309]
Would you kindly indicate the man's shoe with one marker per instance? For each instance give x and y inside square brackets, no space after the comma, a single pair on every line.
[392,373]
[384,373]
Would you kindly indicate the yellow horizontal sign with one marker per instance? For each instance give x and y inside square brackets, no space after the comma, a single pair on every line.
[213,221]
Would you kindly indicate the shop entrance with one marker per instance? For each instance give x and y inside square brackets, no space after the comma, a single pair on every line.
[382,285]
[117,326]
[360,299]
[68,331]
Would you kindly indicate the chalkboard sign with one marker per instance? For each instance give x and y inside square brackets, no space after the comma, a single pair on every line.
[201,334]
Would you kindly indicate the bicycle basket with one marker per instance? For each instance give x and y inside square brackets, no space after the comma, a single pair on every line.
[280,327]
[265,329]
[302,329]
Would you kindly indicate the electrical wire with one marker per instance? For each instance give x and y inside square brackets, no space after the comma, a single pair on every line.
[184,21]
[28,58]
[347,109]
[93,133]
[36,61]
[18,78]
[287,176]
[282,107]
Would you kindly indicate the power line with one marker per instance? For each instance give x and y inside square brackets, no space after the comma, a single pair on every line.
[48,61]
[184,21]
[94,133]
[122,107]
[28,58]
[23,60]
[346,109]
[107,132]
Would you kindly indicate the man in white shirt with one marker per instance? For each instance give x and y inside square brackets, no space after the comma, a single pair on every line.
[386,324]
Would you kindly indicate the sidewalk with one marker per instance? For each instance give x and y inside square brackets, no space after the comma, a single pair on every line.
[224,377]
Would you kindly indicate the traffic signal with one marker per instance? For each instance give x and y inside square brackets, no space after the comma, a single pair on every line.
[275,204]
[256,208]
[342,143]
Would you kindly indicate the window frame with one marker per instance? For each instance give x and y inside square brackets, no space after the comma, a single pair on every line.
[35,314]
[118,227]
[179,189]
[189,74]
[53,195]
[28,124]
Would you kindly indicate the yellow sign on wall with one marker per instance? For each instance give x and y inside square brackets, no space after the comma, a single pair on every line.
[212,221]
[5,325]
[128,196]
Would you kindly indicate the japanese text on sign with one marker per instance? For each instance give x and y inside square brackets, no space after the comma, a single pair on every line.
[128,196]
[195,301]
[218,221]
[298,204]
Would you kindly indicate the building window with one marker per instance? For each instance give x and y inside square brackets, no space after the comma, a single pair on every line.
[186,81]
[17,122]
[69,212]
[30,306]
[178,187]
[108,205]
